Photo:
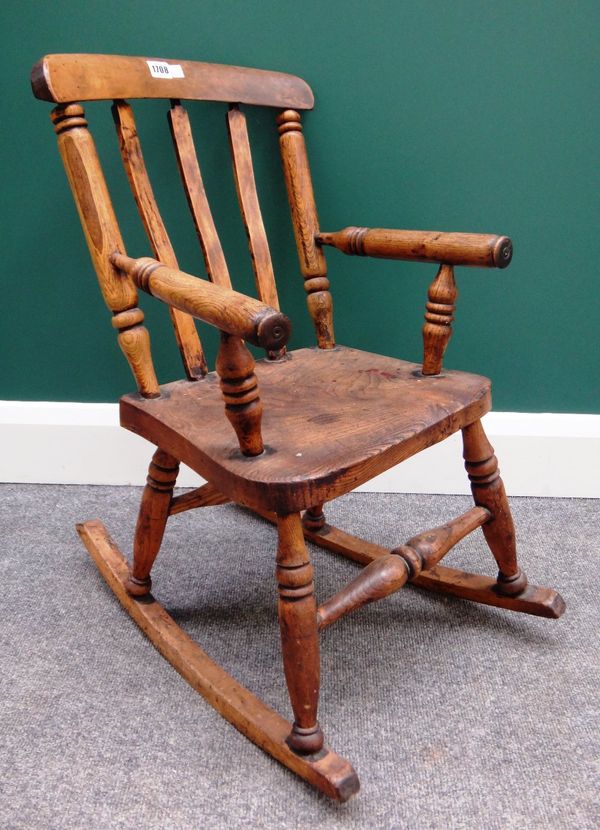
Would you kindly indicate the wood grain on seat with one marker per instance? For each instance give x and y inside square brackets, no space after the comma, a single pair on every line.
[332,419]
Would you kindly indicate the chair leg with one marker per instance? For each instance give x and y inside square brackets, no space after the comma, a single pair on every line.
[488,491]
[314,518]
[299,634]
[250,715]
[152,518]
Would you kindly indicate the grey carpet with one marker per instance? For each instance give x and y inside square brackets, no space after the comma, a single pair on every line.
[454,715]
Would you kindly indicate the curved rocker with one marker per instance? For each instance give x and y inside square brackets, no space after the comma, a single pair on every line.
[253,718]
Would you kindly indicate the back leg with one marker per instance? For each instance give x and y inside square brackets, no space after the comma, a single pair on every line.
[313,518]
[152,519]
[299,634]
[488,491]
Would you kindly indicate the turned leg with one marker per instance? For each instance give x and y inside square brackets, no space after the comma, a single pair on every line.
[299,634]
[488,491]
[314,518]
[152,518]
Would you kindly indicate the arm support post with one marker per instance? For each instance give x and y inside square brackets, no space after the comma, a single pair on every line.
[439,314]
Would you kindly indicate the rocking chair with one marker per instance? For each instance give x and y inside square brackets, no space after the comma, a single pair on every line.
[333,418]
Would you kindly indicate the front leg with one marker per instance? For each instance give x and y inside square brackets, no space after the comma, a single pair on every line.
[488,491]
[299,634]
[152,519]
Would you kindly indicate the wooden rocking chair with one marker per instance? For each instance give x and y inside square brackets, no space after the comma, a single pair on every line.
[333,417]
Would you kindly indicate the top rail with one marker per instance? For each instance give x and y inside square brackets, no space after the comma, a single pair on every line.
[64,78]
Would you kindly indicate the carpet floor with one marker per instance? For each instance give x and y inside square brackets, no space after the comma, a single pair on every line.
[454,715]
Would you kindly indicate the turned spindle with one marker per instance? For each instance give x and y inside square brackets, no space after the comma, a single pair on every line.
[152,518]
[134,341]
[314,518]
[488,491]
[245,183]
[80,159]
[388,573]
[381,578]
[306,225]
[299,634]
[235,367]
[228,310]
[438,318]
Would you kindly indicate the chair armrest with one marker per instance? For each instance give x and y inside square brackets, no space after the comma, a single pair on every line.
[232,312]
[475,249]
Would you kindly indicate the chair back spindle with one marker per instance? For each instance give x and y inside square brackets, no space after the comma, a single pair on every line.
[250,209]
[186,335]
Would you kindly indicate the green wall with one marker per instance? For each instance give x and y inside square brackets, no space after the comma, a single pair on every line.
[449,116]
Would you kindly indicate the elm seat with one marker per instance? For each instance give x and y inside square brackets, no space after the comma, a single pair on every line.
[294,431]
[362,410]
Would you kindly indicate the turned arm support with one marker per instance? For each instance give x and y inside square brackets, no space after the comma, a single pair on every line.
[231,312]
[480,250]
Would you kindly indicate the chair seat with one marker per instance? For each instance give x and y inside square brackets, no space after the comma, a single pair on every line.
[332,420]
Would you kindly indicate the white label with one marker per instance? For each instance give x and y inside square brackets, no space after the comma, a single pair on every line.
[162,69]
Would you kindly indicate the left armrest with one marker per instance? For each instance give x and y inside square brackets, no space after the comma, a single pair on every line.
[475,249]
[232,312]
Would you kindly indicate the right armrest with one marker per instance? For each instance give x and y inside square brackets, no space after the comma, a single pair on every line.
[224,308]
[482,250]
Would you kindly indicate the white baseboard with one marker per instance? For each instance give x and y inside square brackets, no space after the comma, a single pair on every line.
[82,443]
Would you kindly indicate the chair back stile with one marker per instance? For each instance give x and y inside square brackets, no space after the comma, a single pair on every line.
[82,165]
[65,78]
[306,225]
